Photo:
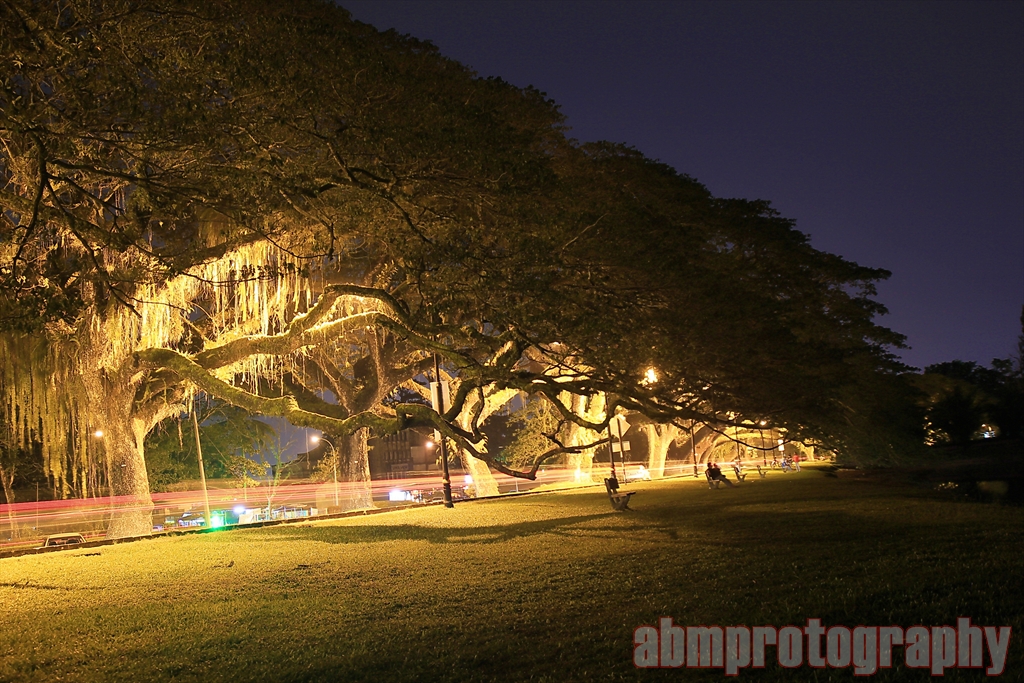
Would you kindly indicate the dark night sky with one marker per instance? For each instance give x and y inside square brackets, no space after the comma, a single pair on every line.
[892,132]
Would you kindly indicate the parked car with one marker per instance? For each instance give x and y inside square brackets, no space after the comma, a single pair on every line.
[59,540]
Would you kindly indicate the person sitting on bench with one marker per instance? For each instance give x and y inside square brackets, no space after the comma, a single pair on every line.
[715,474]
[736,469]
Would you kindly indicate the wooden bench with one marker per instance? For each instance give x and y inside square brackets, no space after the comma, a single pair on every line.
[713,483]
[620,501]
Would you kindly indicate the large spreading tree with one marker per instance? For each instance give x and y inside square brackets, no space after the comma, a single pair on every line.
[277,206]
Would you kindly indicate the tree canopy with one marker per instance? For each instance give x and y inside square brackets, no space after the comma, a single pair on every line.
[285,209]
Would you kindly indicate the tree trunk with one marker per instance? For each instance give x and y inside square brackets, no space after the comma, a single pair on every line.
[659,438]
[123,439]
[484,482]
[582,466]
[359,494]
[582,463]
[7,480]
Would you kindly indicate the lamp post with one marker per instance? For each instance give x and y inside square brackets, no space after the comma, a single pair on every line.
[439,404]
[693,450]
[739,456]
[334,459]
[764,453]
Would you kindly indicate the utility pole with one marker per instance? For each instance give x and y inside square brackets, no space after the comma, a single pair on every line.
[202,470]
[622,450]
[615,431]
[611,449]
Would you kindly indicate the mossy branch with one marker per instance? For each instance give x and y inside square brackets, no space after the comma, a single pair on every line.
[284,406]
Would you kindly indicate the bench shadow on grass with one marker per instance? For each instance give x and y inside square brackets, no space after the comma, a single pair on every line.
[411,532]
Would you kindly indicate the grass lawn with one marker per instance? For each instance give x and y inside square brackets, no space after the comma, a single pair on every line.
[545,588]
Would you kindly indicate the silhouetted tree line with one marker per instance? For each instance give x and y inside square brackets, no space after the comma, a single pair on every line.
[963,401]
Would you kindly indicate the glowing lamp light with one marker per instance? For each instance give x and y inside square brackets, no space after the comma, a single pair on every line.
[651,376]
[468,479]
[429,444]
[315,439]
[238,509]
[398,495]
[763,423]
[216,521]
[98,433]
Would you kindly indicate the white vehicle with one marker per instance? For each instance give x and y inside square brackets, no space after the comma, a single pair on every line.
[60,540]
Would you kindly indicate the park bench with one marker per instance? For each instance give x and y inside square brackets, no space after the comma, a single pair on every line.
[620,501]
[712,483]
[739,476]
[760,472]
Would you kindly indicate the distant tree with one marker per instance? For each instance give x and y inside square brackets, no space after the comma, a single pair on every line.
[955,413]
[1008,412]
[327,467]
[962,396]
[533,427]
[230,438]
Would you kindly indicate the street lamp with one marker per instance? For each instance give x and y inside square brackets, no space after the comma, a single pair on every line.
[439,401]
[315,439]
[693,449]
[764,452]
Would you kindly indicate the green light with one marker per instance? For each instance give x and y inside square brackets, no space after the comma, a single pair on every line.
[216,521]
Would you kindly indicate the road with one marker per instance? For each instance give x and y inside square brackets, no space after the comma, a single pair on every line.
[27,524]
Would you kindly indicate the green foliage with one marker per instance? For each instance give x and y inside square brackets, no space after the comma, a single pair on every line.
[529,425]
[327,468]
[245,470]
[230,439]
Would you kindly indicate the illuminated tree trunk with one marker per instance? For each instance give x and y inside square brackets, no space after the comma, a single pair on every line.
[582,466]
[123,437]
[7,480]
[483,480]
[582,463]
[357,471]
[659,438]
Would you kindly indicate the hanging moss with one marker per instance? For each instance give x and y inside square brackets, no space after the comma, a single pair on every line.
[49,381]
